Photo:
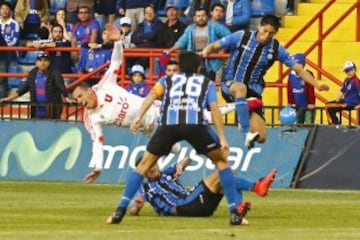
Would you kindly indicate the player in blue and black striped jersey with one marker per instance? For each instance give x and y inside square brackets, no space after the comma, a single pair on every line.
[252,53]
[169,197]
[185,97]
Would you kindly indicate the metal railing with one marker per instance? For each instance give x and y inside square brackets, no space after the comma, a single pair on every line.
[73,113]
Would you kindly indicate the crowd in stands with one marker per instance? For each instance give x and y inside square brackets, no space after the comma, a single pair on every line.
[167,24]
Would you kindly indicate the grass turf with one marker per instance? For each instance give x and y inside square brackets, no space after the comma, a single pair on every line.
[49,210]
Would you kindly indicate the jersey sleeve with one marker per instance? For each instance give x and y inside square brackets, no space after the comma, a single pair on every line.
[231,41]
[285,57]
[159,87]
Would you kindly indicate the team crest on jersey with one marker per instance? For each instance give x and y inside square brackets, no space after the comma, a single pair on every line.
[270,55]
[8,29]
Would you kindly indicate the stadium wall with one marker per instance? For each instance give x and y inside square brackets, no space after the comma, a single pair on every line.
[46,150]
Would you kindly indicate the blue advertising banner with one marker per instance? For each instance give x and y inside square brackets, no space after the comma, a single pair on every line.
[45,150]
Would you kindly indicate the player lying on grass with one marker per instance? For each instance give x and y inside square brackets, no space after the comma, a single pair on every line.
[168,196]
[108,103]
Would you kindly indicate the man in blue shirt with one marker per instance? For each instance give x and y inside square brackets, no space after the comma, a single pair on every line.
[252,53]
[185,97]
[169,197]
[10,33]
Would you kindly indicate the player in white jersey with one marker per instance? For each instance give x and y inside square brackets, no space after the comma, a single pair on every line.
[108,103]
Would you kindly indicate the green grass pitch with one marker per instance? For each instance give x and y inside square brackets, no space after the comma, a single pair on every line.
[52,210]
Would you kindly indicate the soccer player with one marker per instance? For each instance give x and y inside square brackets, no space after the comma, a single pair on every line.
[252,53]
[108,103]
[168,196]
[185,95]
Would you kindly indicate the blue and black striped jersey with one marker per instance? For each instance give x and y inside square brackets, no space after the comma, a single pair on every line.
[184,99]
[250,59]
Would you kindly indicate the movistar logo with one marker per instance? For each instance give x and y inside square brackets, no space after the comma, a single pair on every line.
[33,161]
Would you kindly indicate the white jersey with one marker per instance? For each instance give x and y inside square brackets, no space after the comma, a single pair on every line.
[115,106]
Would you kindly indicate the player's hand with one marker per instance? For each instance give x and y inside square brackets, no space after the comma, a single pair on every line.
[91,177]
[113,33]
[135,125]
[323,87]
[225,148]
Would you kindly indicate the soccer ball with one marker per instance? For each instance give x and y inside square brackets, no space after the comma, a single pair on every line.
[287,116]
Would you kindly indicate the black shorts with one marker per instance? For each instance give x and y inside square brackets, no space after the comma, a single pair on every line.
[201,137]
[200,202]
[225,92]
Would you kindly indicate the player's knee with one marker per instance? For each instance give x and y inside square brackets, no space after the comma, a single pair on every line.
[238,89]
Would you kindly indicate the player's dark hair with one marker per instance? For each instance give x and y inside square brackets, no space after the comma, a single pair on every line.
[172,62]
[56,25]
[270,20]
[189,62]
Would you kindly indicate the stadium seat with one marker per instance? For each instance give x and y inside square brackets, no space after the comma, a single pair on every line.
[55,5]
[15,82]
[27,58]
[260,8]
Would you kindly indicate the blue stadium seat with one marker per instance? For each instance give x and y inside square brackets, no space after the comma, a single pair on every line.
[27,58]
[56,4]
[261,8]
[15,82]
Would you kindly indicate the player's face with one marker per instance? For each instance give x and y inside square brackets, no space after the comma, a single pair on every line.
[200,18]
[60,16]
[171,69]
[265,33]
[153,173]
[84,97]
[105,36]
[149,14]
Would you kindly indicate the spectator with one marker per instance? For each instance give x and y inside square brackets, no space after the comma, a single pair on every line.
[33,17]
[174,27]
[200,4]
[85,31]
[149,34]
[238,14]
[60,18]
[124,25]
[349,96]
[46,87]
[301,95]
[72,9]
[217,13]
[138,85]
[134,9]
[93,55]
[59,60]
[197,36]
[105,11]
[10,33]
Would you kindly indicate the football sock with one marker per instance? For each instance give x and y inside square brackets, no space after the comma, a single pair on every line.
[242,113]
[243,184]
[228,186]
[132,186]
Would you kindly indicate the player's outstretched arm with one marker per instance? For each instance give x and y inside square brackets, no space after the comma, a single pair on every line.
[307,77]
[136,124]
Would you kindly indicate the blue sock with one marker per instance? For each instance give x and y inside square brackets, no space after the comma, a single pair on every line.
[132,186]
[243,184]
[242,113]
[228,186]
